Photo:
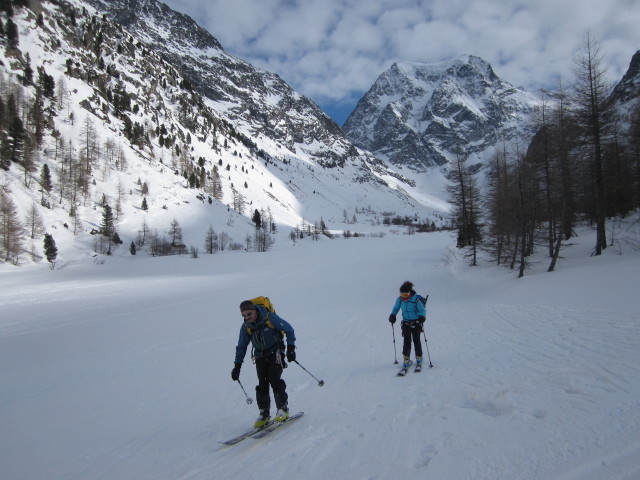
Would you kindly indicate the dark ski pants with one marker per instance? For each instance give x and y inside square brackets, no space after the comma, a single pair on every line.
[411,331]
[269,371]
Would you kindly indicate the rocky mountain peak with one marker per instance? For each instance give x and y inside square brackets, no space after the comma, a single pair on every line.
[157,22]
[418,114]
[629,86]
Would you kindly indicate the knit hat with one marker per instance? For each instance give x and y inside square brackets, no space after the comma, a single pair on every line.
[247,305]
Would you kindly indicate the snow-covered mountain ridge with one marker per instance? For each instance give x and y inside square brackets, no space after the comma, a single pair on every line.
[256,101]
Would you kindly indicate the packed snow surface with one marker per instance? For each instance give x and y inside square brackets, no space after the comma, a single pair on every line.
[121,369]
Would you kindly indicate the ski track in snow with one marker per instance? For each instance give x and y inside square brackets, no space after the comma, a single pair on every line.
[114,373]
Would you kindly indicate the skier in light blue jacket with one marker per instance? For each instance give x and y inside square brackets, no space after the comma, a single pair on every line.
[413,317]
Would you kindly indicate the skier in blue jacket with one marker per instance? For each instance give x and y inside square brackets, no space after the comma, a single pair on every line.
[413,317]
[262,329]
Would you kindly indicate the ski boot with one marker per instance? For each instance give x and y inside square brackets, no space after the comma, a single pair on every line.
[406,362]
[263,419]
[282,414]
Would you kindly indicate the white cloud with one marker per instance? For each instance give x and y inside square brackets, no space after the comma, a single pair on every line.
[332,50]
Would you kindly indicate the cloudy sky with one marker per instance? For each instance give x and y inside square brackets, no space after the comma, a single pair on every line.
[333,50]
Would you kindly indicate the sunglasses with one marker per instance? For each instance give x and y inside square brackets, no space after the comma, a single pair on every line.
[248,314]
[405,295]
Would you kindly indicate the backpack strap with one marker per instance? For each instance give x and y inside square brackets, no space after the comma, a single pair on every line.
[269,324]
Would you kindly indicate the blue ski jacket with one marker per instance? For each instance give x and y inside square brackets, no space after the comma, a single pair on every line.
[265,335]
[412,308]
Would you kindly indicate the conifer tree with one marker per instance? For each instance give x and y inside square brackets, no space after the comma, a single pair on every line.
[11,31]
[107,226]
[50,248]
[45,180]
[256,219]
[16,134]
[216,184]
[7,7]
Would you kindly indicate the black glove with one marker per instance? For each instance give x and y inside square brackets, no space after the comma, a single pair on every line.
[392,319]
[235,373]
[421,320]
[291,353]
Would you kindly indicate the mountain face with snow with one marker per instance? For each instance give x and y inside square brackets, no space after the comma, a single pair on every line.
[255,99]
[421,115]
[257,102]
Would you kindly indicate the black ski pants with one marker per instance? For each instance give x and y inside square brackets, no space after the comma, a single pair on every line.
[411,332]
[269,371]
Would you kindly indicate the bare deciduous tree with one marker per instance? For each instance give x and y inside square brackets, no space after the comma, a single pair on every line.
[592,114]
[11,230]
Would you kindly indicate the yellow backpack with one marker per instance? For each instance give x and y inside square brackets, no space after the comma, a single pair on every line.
[268,306]
[263,302]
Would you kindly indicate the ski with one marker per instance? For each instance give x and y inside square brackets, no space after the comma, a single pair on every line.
[275,425]
[248,433]
[403,370]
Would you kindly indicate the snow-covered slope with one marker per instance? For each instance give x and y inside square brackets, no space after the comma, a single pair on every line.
[122,371]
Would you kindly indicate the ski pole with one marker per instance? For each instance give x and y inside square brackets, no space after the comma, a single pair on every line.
[395,353]
[427,344]
[320,382]
[249,399]
[426,299]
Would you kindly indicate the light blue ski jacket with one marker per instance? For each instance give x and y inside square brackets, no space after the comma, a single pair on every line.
[412,308]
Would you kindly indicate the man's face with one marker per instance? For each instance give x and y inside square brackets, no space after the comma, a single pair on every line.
[249,315]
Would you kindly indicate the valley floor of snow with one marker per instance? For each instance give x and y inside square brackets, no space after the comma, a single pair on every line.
[121,370]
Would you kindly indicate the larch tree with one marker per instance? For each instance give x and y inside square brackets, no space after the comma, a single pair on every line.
[465,198]
[11,230]
[592,114]
[211,240]
[34,222]
[175,232]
